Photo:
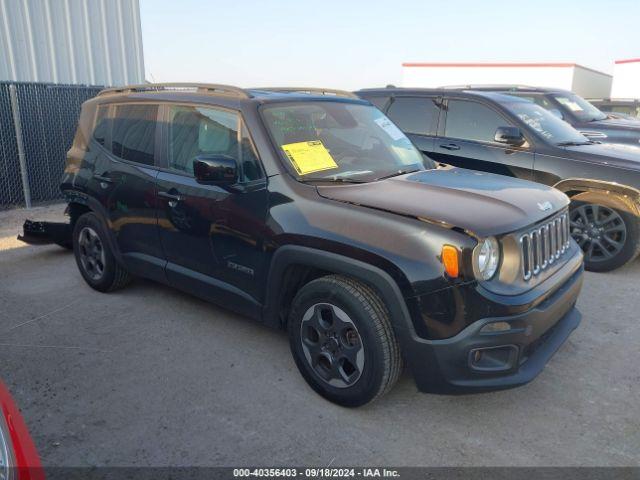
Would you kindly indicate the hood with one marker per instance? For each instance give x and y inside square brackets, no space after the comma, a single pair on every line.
[613,123]
[481,203]
[615,154]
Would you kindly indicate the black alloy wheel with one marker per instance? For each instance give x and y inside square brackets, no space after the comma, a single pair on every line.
[94,256]
[332,345]
[599,230]
[91,252]
[606,226]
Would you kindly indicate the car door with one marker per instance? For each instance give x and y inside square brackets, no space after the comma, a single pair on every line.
[123,153]
[467,140]
[212,236]
[417,117]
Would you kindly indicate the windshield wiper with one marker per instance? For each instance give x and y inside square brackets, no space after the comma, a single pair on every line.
[397,173]
[573,144]
[332,180]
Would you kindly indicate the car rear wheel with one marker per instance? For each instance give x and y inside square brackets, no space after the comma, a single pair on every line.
[607,229]
[342,340]
[94,257]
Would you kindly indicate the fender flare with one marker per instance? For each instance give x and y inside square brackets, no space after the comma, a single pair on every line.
[98,209]
[415,350]
[373,276]
[590,185]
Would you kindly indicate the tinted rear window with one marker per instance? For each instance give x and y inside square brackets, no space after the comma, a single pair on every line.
[134,132]
[415,115]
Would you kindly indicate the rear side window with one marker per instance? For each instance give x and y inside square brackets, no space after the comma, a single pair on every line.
[101,125]
[195,131]
[472,121]
[134,133]
[415,115]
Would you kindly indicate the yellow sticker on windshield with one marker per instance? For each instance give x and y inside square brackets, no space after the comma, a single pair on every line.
[309,157]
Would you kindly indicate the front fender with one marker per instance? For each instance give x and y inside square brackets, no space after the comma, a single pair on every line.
[375,277]
[589,185]
[412,347]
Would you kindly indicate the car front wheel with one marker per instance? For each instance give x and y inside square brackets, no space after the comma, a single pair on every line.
[342,340]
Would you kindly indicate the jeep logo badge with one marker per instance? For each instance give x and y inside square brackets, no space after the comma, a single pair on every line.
[544,206]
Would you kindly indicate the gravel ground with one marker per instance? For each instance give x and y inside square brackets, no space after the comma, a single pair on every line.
[151,376]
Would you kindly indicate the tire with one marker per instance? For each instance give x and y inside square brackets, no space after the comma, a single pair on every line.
[94,257]
[342,341]
[613,239]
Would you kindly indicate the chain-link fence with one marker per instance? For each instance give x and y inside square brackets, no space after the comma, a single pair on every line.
[37,125]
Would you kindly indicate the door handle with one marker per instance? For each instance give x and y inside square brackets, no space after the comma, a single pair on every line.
[450,146]
[104,178]
[173,198]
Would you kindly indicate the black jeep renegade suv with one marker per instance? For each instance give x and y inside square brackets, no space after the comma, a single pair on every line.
[309,210]
[575,110]
[505,134]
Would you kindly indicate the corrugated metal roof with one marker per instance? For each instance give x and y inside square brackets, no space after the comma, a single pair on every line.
[93,42]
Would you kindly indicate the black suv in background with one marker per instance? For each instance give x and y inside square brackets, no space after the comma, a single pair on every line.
[510,135]
[575,110]
[618,108]
[309,210]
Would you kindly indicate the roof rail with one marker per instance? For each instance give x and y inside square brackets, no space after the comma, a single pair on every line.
[480,86]
[310,90]
[212,88]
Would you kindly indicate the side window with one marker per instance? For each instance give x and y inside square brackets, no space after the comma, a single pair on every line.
[101,125]
[197,131]
[134,133]
[415,115]
[472,121]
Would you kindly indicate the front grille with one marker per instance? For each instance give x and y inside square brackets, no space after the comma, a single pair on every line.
[544,245]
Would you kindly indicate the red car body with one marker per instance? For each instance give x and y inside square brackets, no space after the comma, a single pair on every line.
[23,460]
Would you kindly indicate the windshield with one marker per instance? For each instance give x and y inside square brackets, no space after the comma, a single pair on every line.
[334,141]
[546,124]
[578,106]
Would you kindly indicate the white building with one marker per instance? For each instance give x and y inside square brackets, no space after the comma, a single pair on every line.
[568,76]
[93,42]
[626,79]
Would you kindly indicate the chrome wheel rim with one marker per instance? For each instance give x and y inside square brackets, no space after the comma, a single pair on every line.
[600,231]
[332,345]
[92,255]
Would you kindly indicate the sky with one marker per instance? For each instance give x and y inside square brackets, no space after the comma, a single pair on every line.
[353,44]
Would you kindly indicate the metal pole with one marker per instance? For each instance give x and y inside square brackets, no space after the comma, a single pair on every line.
[21,158]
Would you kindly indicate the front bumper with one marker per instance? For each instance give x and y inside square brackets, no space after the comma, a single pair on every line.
[507,358]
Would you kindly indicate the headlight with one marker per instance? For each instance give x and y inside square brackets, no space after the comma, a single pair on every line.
[486,258]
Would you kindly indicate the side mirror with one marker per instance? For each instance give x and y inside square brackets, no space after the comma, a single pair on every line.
[509,136]
[215,169]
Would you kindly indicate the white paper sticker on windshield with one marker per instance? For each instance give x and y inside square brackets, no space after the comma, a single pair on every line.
[394,132]
[570,104]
